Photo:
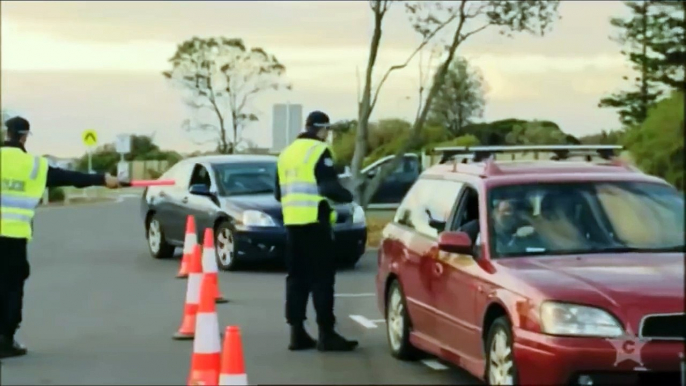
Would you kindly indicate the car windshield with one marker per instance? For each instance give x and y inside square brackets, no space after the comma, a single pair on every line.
[246,178]
[585,218]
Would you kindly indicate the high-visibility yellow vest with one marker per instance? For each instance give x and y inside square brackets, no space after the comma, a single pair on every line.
[300,196]
[23,180]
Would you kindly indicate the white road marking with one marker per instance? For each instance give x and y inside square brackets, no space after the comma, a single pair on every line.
[378,321]
[434,364]
[370,294]
[363,321]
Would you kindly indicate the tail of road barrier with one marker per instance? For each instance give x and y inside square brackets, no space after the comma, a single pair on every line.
[206,357]
[189,243]
[190,309]
[209,265]
[232,361]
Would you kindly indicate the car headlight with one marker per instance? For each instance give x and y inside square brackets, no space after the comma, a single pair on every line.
[358,215]
[255,218]
[571,319]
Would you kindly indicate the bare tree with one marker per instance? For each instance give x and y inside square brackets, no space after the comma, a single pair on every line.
[428,18]
[222,76]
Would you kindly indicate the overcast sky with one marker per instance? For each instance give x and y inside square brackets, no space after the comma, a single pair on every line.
[69,66]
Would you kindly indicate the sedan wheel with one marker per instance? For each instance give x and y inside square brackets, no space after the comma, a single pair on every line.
[159,249]
[226,252]
[398,324]
[500,366]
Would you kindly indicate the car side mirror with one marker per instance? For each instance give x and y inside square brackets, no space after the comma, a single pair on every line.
[200,190]
[455,242]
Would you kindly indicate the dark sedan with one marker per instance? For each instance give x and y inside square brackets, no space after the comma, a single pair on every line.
[234,196]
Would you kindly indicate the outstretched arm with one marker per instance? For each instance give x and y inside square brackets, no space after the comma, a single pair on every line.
[59,177]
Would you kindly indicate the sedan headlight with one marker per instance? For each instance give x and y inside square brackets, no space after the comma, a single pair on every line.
[255,218]
[358,215]
[571,319]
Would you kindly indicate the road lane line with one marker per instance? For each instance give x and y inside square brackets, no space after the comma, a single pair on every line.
[434,364]
[363,321]
[378,321]
[369,294]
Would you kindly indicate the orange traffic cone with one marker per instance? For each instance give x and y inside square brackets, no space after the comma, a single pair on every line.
[209,265]
[189,244]
[233,365]
[206,346]
[190,309]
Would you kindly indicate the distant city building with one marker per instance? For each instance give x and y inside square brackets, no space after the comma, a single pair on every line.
[287,123]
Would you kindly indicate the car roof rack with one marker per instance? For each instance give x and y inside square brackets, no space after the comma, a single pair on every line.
[561,152]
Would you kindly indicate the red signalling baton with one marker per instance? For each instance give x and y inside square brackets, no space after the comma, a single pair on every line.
[146,183]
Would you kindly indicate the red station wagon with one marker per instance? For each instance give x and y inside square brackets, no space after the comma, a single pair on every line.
[539,272]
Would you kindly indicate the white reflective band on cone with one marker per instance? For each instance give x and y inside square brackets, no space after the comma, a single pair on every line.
[206,339]
[209,262]
[193,289]
[189,243]
[227,379]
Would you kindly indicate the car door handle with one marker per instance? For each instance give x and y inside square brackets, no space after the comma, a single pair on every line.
[438,269]
[163,194]
[185,200]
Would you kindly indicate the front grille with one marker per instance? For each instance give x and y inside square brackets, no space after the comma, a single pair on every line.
[667,327]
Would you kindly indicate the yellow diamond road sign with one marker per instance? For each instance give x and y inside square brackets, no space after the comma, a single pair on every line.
[89,137]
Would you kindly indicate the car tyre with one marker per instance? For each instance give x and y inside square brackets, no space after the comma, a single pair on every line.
[500,365]
[157,242]
[225,247]
[398,324]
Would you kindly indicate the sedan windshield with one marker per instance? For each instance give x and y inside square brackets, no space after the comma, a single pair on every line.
[246,178]
[583,218]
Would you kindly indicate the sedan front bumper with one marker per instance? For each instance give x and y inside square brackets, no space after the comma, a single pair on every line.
[260,244]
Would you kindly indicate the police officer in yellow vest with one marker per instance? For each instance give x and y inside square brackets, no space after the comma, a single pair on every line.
[306,183]
[24,178]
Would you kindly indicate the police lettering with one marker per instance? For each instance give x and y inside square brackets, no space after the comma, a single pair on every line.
[13,185]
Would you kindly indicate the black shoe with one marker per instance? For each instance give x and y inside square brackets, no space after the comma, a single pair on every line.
[300,339]
[330,340]
[11,348]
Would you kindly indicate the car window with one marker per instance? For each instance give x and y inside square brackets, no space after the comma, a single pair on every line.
[585,217]
[428,197]
[200,176]
[246,178]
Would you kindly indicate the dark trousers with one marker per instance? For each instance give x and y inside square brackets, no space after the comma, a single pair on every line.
[311,269]
[14,270]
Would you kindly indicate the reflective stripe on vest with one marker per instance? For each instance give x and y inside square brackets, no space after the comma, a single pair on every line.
[23,178]
[300,196]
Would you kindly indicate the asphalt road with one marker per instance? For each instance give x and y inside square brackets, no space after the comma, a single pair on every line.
[100,310]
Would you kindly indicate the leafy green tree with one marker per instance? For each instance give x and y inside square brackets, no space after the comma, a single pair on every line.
[605,137]
[636,34]
[223,76]
[535,133]
[669,45]
[463,19]
[657,145]
[460,98]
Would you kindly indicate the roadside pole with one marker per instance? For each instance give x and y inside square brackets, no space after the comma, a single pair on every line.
[90,139]
[123,147]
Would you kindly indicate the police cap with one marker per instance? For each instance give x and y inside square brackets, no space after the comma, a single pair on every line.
[317,120]
[17,126]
